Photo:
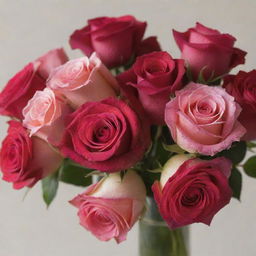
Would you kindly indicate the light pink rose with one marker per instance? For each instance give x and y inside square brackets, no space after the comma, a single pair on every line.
[84,79]
[110,208]
[45,115]
[203,119]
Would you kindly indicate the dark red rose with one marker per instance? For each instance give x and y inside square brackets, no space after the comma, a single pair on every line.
[243,88]
[21,88]
[115,40]
[108,136]
[192,190]
[154,76]
[25,160]
[208,49]
[148,45]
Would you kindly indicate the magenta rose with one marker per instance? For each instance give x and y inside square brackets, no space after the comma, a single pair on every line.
[21,88]
[155,76]
[83,79]
[192,190]
[208,50]
[25,160]
[110,208]
[44,116]
[115,40]
[108,136]
[203,119]
[243,88]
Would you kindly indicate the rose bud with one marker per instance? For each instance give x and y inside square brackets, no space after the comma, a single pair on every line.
[84,79]
[25,160]
[110,208]
[26,82]
[192,190]
[115,40]
[243,88]
[203,119]
[108,136]
[45,116]
[209,51]
[155,76]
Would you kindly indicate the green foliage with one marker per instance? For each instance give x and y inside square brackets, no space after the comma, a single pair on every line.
[72,173]
[251,144]
[49,187]
[174,148]
[236,153]
[235,182]
[250,167]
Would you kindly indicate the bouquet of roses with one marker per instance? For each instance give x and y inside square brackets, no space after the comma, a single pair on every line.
[171,129]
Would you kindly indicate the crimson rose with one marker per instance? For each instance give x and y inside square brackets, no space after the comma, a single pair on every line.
[25,160]
[115,40]
[106,135]
[21,88]
[155,76]
[243,88]
[192,190]
[208,50]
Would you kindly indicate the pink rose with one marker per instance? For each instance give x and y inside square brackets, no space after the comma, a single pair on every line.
[50,61]
[45,115]
[243,88]
[110,208]
[208,49]
[115,40]
[192,190]
[84,79]
[25,83]
[203,119]
[25,160]
[155,76]
[108,136]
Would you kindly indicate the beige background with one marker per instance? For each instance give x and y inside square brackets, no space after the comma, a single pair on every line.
[28,28]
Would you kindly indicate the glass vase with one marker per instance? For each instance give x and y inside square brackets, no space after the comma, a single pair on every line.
[157,239]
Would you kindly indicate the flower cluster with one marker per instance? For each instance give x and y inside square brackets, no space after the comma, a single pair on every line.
[127,109]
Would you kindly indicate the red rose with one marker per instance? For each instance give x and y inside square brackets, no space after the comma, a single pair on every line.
[208,49]
[243,88]
[21,88]
[192,190]
[155,76]
[115,40]
[148,45]
[25,160]
[107,136]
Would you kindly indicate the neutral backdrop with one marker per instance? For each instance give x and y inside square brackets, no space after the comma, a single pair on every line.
[28,28]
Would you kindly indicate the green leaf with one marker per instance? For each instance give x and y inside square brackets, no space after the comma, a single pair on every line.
[251,144]
[235,182]
[174,148]
[72,173]
[189,72]
[236,153]
[250,167]
[50,186]
[200,78]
